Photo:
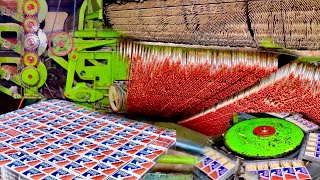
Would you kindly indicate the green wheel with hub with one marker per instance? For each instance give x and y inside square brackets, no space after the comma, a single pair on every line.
[263,138]
[30,76]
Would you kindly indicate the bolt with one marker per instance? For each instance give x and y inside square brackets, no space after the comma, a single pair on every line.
[74,56]
[30,7]
[31,24]
[30,76]
[30,59]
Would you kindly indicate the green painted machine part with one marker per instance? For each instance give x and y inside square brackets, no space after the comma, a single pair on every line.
[167,159]
[263,138]
[92,57]
[31,74]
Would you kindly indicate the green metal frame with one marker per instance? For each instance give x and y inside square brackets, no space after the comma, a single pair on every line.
[106,66]
[41,70]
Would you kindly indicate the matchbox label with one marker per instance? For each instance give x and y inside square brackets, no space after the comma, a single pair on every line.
[86,162]
[58,133]
[76,167]
[63,143]
[30,160]
[146,135]
[169,134]
[58,160]
[43,153]
[95,155]
[4,160]
[19,120]
[135,169]
[4,147]
[62,174]
[205,162]
[3,128]
[34,133]
[44,119]
[94,125]
[71,116]
[104,168]
[143,163]
[219,172]
[18,166]
[4,137]
[111,143]
[75,107]
[45,167]
[57,123]
[72,138]
[289,173]
[302,173]
[85,111]
[276,174]
[99,137]
[45,129]
[88,144]
[153,150]
[48,108]
[49,178]
[146,154]
[39,143]
[264,174]
[48,138]
[88,130]
[63,103]
[115,127]
[8,116]
[127,149]
[22,128]
[91,174]
[33,114]
[60,112]
[11,123]
[108,130]
[77,148]
[111,118]
[160,144]
[124,122]
[24,111]
[130,131]
[70,155]
[14,142]
[39,105]
[80,134]
[124,135]
[14,154]
[123,175]
[67,129]
[97,115]
[103,150]
[139,126]
[29,147]
[113,162]
[154,130]
[83,120]
[25,138]
[54,149]
[122,156]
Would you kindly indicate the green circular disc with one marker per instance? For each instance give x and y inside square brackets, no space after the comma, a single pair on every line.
[30,76]
[242,140]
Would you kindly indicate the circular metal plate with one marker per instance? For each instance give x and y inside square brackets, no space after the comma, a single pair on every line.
[30,7]
[115,98]
[30,59]
[263,138]
[30,25]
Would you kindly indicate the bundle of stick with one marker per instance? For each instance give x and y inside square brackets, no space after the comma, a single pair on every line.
[291,23]
[293,88]
[177,82]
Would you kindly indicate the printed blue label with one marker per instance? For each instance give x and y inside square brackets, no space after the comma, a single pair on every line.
[43,166]
[31,172]
[101,167]
[57,159]
[16,164]
[91,173]
[264,174]
[60,173]
[121,174]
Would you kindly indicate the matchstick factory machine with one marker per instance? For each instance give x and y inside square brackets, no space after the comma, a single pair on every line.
[242,73]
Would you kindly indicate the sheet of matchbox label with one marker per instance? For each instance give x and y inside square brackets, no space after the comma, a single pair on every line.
[58,139]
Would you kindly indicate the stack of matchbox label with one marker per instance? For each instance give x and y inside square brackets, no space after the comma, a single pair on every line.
[279,170]
[57,139]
